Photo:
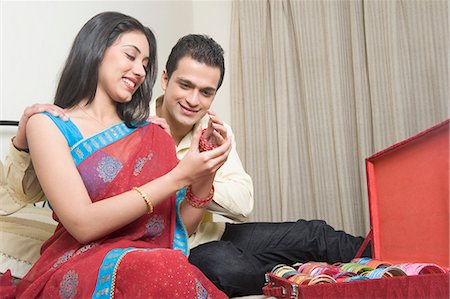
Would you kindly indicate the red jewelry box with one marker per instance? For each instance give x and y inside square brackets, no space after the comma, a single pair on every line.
[408,185]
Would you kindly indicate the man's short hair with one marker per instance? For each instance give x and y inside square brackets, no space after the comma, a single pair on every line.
[199,47]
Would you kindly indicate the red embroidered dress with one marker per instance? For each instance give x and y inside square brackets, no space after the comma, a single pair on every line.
[145,259]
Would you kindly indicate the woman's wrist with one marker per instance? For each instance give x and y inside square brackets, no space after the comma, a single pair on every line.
[176,177]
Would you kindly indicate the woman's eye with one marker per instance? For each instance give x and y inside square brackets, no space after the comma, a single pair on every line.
[131,57]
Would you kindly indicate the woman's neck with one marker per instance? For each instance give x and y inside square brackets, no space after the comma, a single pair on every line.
[103,113]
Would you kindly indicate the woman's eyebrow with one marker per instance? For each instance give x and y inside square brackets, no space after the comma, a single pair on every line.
[134,47]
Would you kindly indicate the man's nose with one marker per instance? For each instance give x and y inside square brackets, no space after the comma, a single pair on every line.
[193,99]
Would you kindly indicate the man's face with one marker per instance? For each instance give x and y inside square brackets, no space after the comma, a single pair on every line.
[189,93]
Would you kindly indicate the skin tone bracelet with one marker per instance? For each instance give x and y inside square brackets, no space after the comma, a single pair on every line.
[145,198]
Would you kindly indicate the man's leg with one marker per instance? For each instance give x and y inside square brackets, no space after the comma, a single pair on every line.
[229,268]
[237,263]
[299,241]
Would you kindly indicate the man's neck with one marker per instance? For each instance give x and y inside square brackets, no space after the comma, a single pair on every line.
[178,132]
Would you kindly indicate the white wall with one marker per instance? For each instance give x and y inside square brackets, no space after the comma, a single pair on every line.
[35,38]
[214,18]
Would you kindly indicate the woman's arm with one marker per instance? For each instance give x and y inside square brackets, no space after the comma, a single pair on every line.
[64,188]
[20,141]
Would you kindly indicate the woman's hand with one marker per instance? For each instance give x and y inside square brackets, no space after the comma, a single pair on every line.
[198,165]
[20,141]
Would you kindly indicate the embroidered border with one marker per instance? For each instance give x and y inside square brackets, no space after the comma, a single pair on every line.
[104,287]
[83,148]
[180,239]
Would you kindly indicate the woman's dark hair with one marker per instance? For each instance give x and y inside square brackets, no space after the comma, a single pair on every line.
[79,77]
[199,47]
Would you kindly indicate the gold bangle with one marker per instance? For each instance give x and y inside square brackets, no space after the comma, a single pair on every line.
[145,198]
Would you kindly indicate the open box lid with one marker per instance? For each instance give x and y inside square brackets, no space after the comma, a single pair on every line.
[408,185]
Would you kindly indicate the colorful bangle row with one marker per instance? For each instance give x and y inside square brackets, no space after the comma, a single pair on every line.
[198,202]
[358,269]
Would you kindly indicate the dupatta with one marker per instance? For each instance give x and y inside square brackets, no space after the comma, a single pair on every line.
[144,259]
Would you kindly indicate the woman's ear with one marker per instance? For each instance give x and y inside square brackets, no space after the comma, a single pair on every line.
[164,80]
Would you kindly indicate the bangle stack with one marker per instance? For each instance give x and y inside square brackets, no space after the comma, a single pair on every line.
[145,198]
[197,202]
[204,145]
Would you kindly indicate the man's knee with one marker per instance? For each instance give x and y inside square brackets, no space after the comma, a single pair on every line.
[228,268]
[216,257]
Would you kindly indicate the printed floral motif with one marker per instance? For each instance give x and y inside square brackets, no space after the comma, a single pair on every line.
[79,153]
[108,168]
[87,247]
[64,258]
[68,285]
[113,132]
[155,226]
[140,162]
[202,293]
[120,130]
[95,144]
[87,146]
[108,136]
[102,140]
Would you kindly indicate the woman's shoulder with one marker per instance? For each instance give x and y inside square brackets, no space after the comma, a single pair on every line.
[48,124]
[40,126]
[40,119]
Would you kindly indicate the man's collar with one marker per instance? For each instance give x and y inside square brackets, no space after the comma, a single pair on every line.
[153,105]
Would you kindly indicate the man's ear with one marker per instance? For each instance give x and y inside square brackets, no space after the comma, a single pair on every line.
[164,80]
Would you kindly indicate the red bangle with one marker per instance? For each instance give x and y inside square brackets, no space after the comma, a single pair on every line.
[204,144]
[197,202]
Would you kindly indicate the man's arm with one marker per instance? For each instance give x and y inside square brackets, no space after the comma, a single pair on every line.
[233,196]
[19,185]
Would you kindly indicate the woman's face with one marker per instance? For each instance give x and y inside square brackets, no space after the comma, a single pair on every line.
[123,68]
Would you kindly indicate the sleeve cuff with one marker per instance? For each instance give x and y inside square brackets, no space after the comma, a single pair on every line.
[20,158]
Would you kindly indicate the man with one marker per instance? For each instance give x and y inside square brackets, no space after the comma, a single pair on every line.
[233,256]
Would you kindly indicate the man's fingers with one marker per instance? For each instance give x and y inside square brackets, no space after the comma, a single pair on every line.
[50,108]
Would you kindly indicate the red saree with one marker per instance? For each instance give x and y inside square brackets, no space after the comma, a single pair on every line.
[145,259]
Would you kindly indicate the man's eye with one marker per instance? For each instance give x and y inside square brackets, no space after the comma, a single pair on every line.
[184,86]
[207,93]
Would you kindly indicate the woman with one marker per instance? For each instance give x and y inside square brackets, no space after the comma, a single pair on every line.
[113,180]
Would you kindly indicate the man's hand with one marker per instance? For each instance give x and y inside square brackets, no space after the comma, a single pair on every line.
[20,141]
[215,133]
[160,122]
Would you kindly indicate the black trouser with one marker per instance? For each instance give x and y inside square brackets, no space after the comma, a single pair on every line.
[237,263]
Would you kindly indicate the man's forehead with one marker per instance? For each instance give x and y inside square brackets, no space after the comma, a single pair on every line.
[189,62]
[198,73]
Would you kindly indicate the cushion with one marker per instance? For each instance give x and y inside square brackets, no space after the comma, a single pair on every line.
[22,235]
